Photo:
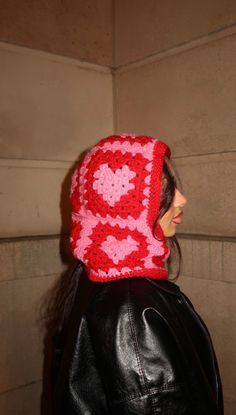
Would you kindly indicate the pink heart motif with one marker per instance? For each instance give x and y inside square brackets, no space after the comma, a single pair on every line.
[117,250]
[113,185]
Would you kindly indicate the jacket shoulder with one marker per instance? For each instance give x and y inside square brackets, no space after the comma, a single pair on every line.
[136,291]
[132,340]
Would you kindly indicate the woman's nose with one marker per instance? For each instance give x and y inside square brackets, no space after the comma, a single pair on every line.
[179,200]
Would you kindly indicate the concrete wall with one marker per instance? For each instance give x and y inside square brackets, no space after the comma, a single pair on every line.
[209,279]
[28,269]
[175,80]
[51,109]
[144,28]
[75,28]
[53,106]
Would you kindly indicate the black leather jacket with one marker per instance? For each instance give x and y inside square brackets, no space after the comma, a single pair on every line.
[136,346]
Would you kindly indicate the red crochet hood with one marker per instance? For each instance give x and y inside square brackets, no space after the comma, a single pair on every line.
[115,196]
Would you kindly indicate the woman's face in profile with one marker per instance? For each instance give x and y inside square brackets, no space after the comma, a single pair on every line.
[174,214]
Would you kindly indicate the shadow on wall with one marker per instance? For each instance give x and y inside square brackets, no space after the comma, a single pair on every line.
[57,303]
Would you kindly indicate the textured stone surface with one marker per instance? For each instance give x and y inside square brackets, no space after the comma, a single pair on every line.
[216,260]
[147,27]
[229,261]
[215,301]
[51,108]
[230,406]
[31,257]
[7,261]
[22,401]
[210,187]
[209,259]
[21,343]
[45,114]
[35,258]
[79,29]
[201,258]
[187,99]
[30,201]
[187,253]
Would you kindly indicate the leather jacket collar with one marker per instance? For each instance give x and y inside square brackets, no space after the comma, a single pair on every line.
[166,285]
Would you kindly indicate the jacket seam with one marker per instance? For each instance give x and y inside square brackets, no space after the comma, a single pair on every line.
[150,393]
[141,371]
[136,348]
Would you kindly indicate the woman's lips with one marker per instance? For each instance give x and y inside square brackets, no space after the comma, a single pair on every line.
[178,219]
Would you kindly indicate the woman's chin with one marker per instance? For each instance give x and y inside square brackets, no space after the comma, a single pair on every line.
[170,231]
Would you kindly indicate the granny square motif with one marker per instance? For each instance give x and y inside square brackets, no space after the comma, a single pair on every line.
[115,196]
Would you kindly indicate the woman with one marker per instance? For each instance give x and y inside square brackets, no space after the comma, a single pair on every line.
[134,345]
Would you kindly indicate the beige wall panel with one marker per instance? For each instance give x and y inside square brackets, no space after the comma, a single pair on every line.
[30,201]
[76,28]
[217,260]
[32,258]
[229,264]
[21,343]
[37,258]
[209,259]
[200,257]
[186,246]
[230,407]
[147,27]
[51,108]
[215,301]
[210,186]
[22,401]
[189,99]
[35,201]
[6,261]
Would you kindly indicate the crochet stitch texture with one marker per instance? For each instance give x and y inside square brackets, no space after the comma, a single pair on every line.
[115,197]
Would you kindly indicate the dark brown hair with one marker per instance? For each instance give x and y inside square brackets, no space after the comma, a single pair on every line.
[169,185]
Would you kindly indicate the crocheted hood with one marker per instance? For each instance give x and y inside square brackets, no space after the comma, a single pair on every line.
[115,196]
